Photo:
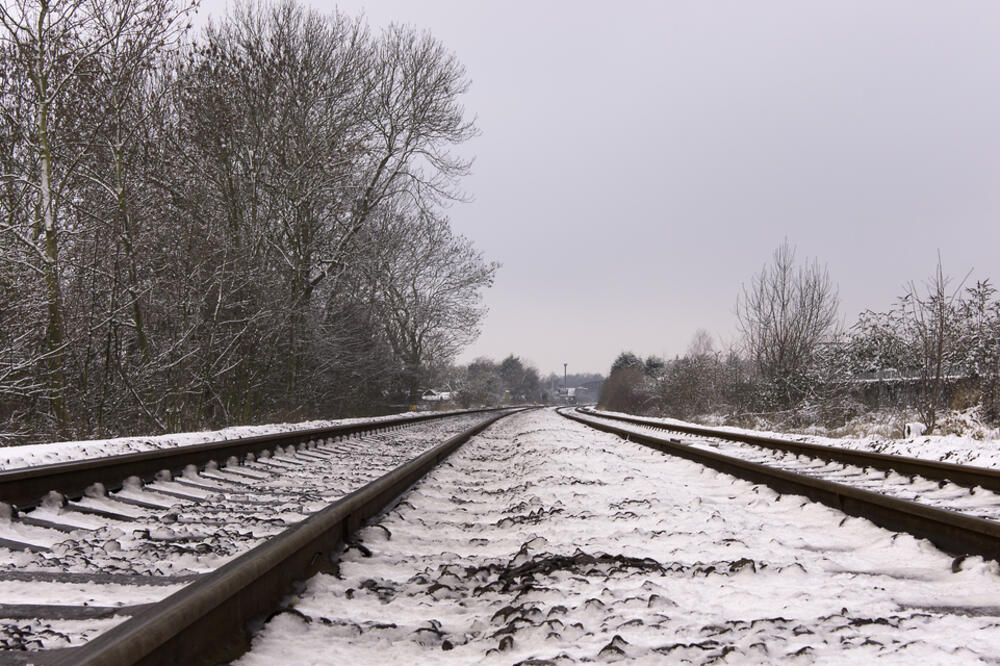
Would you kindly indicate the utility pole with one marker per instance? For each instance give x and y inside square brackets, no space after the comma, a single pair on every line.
[564,375]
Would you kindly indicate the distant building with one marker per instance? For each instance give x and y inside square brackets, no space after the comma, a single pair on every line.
[573,395]
[430,395]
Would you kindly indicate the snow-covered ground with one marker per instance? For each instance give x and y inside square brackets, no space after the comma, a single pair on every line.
[958,449]
[44,454]
[542,541]
[947,495]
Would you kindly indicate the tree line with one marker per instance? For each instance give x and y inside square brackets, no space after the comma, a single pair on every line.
[487,382]
[937,347]
[217,228]
[512,380]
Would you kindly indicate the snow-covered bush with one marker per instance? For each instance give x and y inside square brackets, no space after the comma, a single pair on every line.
[937,347]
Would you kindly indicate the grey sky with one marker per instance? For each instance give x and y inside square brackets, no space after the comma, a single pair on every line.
[640,160]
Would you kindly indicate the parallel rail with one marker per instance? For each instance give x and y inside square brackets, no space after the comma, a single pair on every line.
[963,475]
[25,487]
[952,532]
[207,621]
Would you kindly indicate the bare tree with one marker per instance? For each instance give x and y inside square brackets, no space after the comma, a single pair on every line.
[785,313]
[264,136]
[187,230]
[702,345]
[63,61]
[980,344]
[138,35]
[410,117]
[481,384]
[47,46]
[934,328]
[425,282]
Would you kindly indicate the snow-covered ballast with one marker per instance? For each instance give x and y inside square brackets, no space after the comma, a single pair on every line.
[953,532]
[24,487]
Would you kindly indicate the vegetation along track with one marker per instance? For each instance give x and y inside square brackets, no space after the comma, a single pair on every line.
[955,510]
[174,571]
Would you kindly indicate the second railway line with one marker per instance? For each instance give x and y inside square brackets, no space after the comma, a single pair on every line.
[962,489]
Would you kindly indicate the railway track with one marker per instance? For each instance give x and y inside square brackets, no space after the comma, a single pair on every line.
[167,556]
[954,506]
[540,542]
[26,487]
[965,475]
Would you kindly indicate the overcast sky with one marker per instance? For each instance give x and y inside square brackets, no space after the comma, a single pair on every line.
[639,161]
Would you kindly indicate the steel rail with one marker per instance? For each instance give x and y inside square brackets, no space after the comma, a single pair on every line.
[26,486]
[964,475]
[207,621]
[952,532]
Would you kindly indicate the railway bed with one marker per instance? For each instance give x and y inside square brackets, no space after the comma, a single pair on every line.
[26,487]
[963,475]
[960,520]
[73,581]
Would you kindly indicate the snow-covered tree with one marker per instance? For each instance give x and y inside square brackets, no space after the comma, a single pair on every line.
[932,324]
[181,222]
[785,314]
[425,283]
[979,342]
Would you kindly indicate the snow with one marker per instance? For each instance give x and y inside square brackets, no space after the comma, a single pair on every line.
[191,532]
[45,454]
[33,634]
[64,594]
[544,540]
[107,505]
[38,537]
[952,448]
[977,502]
[70,519]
